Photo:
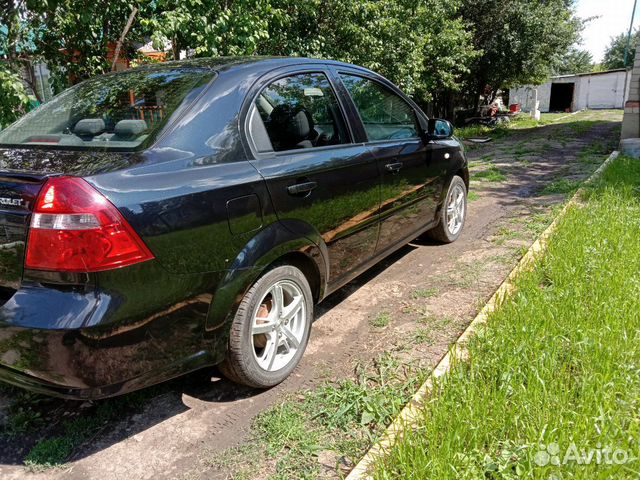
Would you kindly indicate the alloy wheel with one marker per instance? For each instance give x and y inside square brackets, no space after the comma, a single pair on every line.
[279,325]
[455,209]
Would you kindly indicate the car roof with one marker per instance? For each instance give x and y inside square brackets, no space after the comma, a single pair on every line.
[228,63]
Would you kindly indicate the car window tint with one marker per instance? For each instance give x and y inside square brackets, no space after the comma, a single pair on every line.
[301,111]
[120,111]
[385,115]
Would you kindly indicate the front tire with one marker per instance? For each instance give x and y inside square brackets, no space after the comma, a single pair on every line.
[453,213]
[270,330]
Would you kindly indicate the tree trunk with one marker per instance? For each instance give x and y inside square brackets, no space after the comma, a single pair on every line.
[125,30]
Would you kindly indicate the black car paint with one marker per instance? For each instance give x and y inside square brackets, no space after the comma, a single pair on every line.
[215,214]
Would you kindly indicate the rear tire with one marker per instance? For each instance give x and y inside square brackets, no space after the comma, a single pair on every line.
[453,213]
[270,330]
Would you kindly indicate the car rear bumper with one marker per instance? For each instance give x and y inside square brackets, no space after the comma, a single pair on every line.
[89,343]
[39,385]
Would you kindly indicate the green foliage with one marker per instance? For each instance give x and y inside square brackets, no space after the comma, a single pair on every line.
[14,100]
[210,28]
[575,61]
[555,364]
[381,320]
[614,54]
[74,36]
[435,50]
[491,174]
[520,41]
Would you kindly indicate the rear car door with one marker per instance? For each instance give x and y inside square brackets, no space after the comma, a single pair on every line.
[411,181]
[315,173]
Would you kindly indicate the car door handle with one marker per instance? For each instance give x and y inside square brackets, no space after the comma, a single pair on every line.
[302,188]
[393,167]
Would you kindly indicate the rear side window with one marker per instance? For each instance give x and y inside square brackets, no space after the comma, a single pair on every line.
[301,111]
[385,115]
[120,111]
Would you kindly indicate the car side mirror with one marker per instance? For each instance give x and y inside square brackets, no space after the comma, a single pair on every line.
[439,129]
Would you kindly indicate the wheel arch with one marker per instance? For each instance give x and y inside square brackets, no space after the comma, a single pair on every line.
[274,245]
[463,172]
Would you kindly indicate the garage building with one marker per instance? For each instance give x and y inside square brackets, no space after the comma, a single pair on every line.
[569,93]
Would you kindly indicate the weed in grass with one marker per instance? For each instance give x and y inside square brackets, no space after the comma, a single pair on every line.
[425,293]
[553,366]
[55,451]
[562,186]
[435,322]
[244,461]
[23,415]
[423,336]
[505,234]
[466,275]
[491,174]
[381,320]
[344,418]
[290,439]
[522,149]
[537,222]
[473,196]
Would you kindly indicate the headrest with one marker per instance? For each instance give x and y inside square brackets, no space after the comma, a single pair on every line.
[89,127]
[130,128]
[290,124]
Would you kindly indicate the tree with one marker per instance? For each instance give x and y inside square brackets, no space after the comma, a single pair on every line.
[16,52]
[14,101]
[519,40]
[575,61]
[209,27]
[614,54]
[76,36]
[420,45]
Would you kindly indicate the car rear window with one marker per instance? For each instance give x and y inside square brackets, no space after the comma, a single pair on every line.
[122,111]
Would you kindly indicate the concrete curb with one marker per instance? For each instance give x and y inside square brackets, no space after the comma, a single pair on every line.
[411,412]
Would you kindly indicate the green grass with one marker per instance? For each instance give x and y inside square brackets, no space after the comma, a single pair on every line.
[473,196]
[491,174]
[423,336]
[55,451]
[504,234]
[556,366]
[340,419]
[480,131]
[523,121]
[425,293]
[537,222]
[562,186]
[381,320]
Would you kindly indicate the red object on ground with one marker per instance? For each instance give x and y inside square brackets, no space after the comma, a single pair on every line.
[514,108]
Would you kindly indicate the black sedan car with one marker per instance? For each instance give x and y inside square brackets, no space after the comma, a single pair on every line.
[192,213]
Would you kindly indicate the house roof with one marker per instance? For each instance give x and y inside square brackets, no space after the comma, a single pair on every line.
[590,74]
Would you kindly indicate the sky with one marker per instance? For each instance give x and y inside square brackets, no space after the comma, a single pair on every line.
[614,17]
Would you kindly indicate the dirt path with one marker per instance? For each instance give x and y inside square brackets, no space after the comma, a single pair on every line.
[196,416]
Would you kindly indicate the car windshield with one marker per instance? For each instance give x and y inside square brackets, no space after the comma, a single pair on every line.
[121,111]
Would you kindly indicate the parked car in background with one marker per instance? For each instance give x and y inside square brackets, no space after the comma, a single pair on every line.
[192,213]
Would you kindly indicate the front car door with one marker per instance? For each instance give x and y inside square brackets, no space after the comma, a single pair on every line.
[411,181]
[315,173]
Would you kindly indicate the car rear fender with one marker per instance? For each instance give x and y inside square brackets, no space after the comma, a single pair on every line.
[270,245]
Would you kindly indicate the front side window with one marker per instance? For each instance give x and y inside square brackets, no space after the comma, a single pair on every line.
[119,111]
[301,111]
[385,115]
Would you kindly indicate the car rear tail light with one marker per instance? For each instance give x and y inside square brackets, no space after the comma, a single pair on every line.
[74,228]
